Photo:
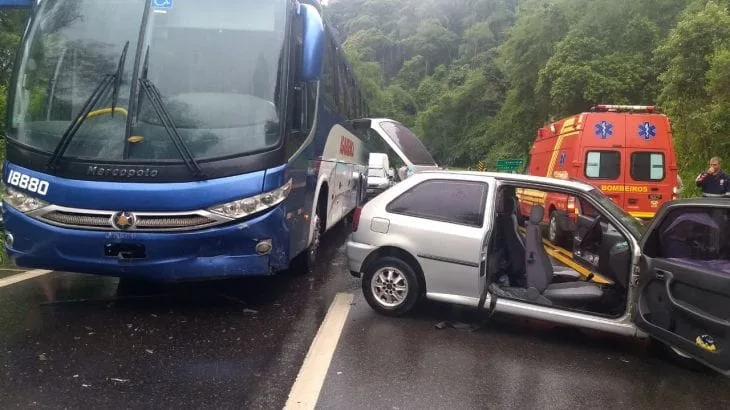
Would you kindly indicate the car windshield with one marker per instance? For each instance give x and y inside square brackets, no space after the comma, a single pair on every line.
[408,143]
[216,64]
[376,172]
[635,227]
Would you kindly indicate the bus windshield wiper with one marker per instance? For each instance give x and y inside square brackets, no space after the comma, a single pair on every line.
[153,95]
[118,79]
[73,128]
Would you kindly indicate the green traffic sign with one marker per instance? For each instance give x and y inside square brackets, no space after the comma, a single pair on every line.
[509,164]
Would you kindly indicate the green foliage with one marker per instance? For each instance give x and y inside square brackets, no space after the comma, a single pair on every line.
[12,23]
[695,86]
[476,78]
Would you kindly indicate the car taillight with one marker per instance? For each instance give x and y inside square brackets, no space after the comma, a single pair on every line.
[356,218]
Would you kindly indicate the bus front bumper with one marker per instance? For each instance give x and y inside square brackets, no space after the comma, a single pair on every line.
[220,252]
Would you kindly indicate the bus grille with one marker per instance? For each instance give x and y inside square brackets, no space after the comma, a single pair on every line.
[143,222]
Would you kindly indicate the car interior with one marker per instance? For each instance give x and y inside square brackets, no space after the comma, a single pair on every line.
[526,267]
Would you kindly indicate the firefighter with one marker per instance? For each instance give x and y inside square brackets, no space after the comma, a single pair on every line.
[714,181]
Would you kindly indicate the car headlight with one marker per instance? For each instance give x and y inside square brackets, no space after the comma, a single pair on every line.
[248,206]
[22,202]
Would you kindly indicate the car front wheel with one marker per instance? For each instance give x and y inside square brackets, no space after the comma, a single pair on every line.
[390,286]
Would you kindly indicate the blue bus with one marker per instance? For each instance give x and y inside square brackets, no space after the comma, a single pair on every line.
[180,139]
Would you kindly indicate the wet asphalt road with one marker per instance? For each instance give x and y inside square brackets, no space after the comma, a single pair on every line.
[72,341]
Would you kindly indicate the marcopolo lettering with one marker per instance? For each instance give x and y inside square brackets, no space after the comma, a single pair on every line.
[122,172]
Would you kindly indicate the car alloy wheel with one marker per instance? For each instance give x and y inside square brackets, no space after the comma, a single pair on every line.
[390,286]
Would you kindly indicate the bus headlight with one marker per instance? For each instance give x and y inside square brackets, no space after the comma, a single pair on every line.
[22,202]
[247,206]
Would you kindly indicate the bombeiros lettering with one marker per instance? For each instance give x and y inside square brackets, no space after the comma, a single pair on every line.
[28,183]
[625,188]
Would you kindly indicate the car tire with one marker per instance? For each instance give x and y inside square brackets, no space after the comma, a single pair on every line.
[555,234]
[390,286]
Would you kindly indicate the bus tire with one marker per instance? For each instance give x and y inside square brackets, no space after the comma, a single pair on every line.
[311,253]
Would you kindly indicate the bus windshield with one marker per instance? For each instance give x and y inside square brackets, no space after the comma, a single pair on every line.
[217,65]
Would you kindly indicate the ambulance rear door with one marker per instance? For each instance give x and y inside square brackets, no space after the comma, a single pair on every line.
[603,140]
[649,179]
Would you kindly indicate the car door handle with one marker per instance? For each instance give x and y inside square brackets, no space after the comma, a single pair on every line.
[689,308]
[661,274]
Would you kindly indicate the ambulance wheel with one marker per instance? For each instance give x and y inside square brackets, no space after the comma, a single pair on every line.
[555,233]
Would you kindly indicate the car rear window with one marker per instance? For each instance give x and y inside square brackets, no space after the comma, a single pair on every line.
[647,166]
[459,202]
[603,164]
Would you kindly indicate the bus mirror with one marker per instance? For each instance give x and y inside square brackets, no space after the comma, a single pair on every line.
[312,43]
[362,124]
[21,4]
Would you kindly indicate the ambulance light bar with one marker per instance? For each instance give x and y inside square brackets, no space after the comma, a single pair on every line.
[617,108]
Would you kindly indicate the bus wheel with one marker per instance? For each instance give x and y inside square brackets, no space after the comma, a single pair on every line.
[313,250]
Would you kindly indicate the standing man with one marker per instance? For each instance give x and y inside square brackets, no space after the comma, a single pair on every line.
[714,181]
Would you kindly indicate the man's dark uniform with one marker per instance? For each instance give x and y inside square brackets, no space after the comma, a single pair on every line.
[714,185]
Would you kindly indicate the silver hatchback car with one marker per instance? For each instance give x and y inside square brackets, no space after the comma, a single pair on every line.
[479,240]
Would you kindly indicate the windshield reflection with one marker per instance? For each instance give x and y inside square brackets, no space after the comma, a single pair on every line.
[216,63]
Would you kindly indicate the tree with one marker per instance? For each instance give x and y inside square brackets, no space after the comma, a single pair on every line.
[695,85]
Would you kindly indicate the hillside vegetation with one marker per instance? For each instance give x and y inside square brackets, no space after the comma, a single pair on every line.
[476,78]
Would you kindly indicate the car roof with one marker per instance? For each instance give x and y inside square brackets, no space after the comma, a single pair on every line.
[509,177]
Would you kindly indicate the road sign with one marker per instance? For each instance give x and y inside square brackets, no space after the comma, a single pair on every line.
[509,165]
[481,166]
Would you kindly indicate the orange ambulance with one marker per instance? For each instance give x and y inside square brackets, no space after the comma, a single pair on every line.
[626,151]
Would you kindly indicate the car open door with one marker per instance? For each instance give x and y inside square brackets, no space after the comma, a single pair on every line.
[401,140]
[683,296]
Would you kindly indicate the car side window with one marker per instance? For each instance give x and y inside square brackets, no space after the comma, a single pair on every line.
[459,202]
[694,234]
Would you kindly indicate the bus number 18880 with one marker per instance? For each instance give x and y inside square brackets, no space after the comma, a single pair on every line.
[27,182]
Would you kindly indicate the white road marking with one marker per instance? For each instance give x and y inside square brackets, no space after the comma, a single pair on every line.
[305,391]
[23,276]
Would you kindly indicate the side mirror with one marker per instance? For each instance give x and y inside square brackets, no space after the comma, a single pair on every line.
[312,43]
[21,4]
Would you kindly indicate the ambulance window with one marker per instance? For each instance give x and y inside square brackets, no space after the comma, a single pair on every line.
[603,164]
[647,166]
